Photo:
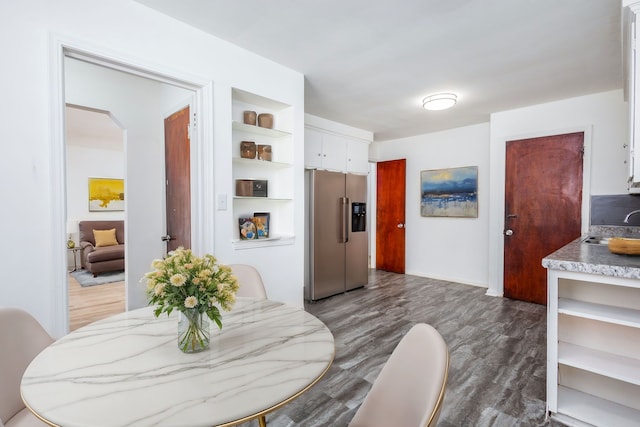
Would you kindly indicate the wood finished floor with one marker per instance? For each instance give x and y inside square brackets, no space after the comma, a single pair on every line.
[497,348]
[93,303]
[497,352]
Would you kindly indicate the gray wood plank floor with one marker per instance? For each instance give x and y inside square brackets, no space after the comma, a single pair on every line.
[497,348]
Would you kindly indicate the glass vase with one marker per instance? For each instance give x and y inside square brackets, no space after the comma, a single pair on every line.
[193,331]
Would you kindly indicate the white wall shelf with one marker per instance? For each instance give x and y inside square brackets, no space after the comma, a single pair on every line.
[601,312]
[610,365]
[260,163]
[278,172]
[274,199]
[258,130]
[262,243]
[594,411]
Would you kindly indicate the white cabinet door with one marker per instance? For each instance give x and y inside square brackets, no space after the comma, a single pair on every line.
[357,157]
[632,71]
[324,150]
[312,149]
[334,152]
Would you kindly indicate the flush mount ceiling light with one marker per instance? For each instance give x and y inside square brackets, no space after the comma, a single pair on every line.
[439,101]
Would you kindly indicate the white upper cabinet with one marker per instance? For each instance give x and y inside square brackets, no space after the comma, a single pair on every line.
[324,151]
[335,146]
[357,157]
[330,151]
[631,70]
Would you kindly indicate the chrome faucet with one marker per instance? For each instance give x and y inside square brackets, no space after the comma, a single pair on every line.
[626,218]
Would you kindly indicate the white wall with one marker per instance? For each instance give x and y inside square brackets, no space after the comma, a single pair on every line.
[603,117]
[471,250]
[445,248]
[32,165]
[82,163]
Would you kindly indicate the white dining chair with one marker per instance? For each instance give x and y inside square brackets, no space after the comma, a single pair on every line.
[409,390]
[21,339]
[251,285]
[250,281]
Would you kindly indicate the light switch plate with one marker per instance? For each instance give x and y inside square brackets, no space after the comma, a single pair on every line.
[222,202]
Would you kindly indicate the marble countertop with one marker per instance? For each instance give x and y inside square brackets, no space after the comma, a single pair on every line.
[127,370]
[590,258]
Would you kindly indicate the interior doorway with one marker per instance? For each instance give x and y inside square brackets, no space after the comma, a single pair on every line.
[94,148]
[140,102]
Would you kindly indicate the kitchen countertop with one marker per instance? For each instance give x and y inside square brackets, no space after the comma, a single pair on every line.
[596,258]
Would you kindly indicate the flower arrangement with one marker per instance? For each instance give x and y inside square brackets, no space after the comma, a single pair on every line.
[194,286]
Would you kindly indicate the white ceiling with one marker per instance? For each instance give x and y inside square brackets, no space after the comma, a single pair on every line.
[92,128]
[368,63]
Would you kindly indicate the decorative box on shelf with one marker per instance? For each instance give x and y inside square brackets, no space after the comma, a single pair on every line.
[251,188]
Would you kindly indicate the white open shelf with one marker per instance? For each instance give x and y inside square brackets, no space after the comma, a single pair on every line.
[611,365]
[594,410]
[279,173]
[601,312]
[273,133]
[261,163]
[275,199]
[261,243]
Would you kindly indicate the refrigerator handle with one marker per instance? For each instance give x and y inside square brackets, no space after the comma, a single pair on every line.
[345,219]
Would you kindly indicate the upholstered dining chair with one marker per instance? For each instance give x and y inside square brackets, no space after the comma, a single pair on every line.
[251,285]
[250,281]
[409,390]
[21,339]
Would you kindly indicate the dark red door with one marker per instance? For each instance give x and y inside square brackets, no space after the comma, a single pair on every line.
[390,215]
[178,179]
[543,205]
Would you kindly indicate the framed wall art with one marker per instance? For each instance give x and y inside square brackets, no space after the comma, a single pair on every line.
[451,192]
[106,194]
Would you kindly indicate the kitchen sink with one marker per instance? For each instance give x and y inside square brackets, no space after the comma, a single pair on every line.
[596,240]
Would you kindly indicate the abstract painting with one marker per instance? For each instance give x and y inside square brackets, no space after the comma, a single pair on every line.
[106,194]
[449,192]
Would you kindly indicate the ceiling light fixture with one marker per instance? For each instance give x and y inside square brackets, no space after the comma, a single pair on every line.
[439,101]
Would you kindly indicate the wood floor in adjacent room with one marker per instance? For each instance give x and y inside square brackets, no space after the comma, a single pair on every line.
[93,303]
[497,346]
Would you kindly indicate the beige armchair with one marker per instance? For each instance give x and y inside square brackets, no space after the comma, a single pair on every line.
[250,281]
[21,340]
[410,388]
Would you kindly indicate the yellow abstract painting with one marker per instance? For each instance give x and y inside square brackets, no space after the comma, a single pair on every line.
[106,194]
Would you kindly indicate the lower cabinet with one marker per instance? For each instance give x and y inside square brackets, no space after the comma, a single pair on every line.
[593,349]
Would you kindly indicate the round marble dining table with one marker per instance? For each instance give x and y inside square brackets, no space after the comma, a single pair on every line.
[127,370]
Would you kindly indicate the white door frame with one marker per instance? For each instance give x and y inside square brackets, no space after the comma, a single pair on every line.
[202,146]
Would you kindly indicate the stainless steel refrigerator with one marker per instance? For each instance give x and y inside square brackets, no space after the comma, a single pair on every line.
[338,238]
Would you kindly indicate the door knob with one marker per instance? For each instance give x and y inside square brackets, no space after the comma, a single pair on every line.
[400,225]
[508,232]
[166,238]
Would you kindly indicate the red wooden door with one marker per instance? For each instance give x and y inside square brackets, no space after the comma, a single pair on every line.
[543,201]
[390,215]
[178,179]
